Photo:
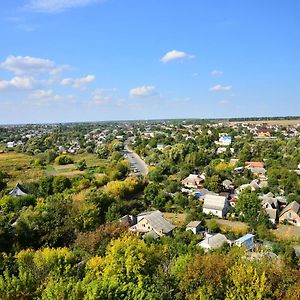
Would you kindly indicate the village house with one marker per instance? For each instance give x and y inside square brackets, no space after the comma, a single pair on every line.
[154,223]
[291,214]
[254,164]
[193,181]
[272,213]
[263,132]
[216,205]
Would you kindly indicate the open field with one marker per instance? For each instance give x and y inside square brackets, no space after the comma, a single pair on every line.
[287,232]
[271,122]
[20,169]
[175,218]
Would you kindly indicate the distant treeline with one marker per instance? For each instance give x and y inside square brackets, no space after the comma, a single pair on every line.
[263,118]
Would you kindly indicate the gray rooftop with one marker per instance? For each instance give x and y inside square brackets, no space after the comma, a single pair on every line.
[214,202]
[194,224]
[159,223]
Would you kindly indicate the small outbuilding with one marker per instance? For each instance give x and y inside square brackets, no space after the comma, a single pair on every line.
[246,241]
[194,226]
[18,191]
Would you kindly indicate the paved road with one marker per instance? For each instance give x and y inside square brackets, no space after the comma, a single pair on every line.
[136,162]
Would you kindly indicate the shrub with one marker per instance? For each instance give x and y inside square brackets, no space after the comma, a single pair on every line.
[63,160]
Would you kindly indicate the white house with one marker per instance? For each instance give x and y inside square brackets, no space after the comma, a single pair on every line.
[216,205]
[152,222]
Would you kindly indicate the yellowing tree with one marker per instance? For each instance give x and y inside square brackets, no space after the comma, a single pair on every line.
[246,284]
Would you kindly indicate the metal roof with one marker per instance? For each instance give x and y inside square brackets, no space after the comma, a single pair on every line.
[214,202]
[159,223]
[194,224]
[245,238]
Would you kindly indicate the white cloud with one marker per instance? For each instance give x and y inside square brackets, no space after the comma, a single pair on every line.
[103,96]
[48,97]
[216,73]
[40,94]
[221,88]
[78,82]
[143,91]
[21,65]
[17,83]
[56,6]
[175,55]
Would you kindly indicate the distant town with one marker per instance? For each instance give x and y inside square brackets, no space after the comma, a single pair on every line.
[175,192]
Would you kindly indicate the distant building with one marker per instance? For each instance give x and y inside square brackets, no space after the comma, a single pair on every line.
[255,164]
[128,219]
[10,144]
[160,146]
[224,140]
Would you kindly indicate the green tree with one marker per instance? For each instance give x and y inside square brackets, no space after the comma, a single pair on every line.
[250,210]
[60,184]
[81,165]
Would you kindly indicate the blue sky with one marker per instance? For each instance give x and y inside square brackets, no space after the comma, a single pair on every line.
[93,60]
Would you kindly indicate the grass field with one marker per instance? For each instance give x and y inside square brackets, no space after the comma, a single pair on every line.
[287,232]
[271,122]
[20,169]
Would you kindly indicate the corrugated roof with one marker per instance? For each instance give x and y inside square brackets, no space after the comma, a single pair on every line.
[193,224]
[214,202]
[245,238]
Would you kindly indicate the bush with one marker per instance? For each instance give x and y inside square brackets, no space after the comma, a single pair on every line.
[63,160]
